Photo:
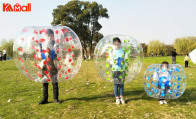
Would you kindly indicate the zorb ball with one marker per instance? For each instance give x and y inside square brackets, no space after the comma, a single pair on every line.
[169,83]
[48,54]
[118,58]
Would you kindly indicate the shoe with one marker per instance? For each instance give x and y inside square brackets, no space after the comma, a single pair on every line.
[117,101]
[122,101]
[56,101]
[161,102]
[164,101]
[43,102]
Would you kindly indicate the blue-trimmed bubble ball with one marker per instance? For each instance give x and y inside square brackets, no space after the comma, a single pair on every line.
[165,83]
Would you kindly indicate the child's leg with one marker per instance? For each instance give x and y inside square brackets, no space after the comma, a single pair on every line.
[121,90]
[55,91]
[116,91]
[45,94]
[55,87]
[186,64]
[165,92]
[160,90]
[122,93]
[45,91]
[160,97]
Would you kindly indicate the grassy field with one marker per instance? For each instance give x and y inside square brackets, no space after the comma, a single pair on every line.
[87,96]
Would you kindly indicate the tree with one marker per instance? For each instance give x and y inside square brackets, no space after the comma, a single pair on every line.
[82,17]
[144,46]
[8,45]
[185,45]
[155,47]
[167,50]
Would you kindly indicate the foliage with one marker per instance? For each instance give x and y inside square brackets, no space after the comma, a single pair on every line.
[155,47]
[8,45]
[185,45]
[83,17]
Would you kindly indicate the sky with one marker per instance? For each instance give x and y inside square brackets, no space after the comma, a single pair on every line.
[144,20]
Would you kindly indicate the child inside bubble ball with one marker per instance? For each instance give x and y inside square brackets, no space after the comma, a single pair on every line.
[51,68]
[163,78]
[118,70]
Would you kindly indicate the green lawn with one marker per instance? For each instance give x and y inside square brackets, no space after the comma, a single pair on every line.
[88,96]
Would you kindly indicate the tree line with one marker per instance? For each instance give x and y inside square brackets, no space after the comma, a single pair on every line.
[8,45]
[182,45]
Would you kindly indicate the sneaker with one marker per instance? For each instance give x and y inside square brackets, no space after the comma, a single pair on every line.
[56,101]
[161,102]
[122,101]
[164,101]
[117,101]
[43,102]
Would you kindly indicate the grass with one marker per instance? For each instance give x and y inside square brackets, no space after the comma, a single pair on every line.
[87,96]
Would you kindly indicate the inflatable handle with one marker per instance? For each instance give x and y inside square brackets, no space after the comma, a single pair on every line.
[53,54]
[43,56]
[119,61]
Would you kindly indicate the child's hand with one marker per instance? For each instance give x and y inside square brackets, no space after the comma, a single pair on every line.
[41,64]
[155,79]
[110,65]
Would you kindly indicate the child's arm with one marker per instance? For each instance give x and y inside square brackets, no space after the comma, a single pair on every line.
[41,56]
[55,56]
[111,60]
[156,76]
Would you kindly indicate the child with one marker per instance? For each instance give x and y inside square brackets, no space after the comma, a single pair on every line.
[186,60]
[0,55]
[4,54]
[163,77]
[118,70]
[53,71]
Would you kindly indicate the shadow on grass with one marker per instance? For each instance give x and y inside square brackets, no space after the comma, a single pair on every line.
[188,96]
[108,95]
[138,95]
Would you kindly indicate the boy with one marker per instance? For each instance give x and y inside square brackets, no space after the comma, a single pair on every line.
[53,71]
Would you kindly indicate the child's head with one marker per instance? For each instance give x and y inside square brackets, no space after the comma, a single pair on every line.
[116,42]
[50,34]
[164,65]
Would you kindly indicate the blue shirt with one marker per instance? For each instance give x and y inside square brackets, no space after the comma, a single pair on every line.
[118,60]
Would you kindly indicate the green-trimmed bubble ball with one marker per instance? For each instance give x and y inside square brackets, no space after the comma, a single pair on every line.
[118,58]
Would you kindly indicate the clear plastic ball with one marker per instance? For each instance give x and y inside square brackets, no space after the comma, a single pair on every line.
[118,61]
[164,83]
[48,54]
